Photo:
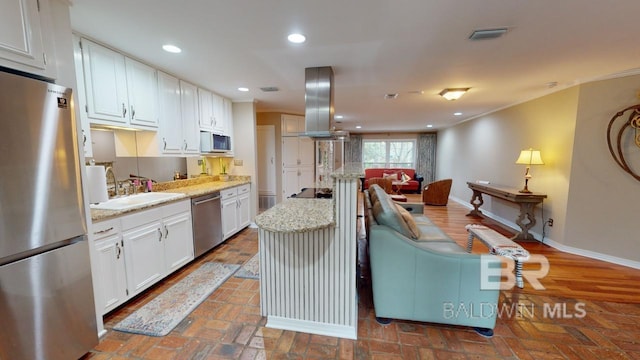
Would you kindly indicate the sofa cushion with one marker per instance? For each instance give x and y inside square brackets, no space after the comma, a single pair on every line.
[442,247]
[392,176]
[431,233]
[385,212]
[408,219]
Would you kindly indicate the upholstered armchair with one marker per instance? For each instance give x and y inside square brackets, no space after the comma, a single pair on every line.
[385,183]
[437,193]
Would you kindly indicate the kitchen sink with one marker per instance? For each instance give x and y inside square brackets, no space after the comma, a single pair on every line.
[136,200]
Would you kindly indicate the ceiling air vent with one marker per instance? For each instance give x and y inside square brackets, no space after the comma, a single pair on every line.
[269,89]
[487,34]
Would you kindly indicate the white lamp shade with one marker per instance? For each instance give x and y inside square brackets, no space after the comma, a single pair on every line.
[530,157]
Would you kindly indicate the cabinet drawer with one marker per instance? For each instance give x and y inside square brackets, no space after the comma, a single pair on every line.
[141,218]
[176,208]
[103,229]
[228,193]
[243,189]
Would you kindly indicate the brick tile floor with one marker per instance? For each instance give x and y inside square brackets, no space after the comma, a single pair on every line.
[228,325]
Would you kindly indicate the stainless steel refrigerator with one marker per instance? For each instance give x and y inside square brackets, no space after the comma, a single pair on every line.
[46,295]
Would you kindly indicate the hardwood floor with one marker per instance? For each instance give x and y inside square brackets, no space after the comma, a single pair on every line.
[589,310]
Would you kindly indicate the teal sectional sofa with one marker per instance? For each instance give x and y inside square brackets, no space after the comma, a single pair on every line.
[419,273]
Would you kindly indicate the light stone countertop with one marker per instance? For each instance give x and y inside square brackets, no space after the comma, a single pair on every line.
[297,215]
[189,188]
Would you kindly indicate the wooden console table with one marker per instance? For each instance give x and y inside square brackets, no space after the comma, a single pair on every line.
[527,202]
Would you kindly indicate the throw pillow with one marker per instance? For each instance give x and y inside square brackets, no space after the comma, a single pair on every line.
[408,219]
[393,177]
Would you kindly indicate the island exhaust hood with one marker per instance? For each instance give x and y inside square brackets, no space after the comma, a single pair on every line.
[319,105]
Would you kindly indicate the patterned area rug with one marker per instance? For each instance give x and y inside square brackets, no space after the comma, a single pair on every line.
[159,316]
[250,269]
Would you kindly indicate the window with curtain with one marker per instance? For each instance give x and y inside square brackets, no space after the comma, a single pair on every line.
[389,153]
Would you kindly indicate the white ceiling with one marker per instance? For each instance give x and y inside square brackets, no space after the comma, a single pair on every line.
[375,47]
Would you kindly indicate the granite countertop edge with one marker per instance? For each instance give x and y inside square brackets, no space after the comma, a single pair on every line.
[189,191]
[297,216]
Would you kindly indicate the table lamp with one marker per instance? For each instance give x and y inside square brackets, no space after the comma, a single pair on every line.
[529,157]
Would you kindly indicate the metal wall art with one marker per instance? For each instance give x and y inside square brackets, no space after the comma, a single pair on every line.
[632,123]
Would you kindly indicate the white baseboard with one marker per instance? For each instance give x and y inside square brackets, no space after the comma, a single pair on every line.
[341,331]
[556,245]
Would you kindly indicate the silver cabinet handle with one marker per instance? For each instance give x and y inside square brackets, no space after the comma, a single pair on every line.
[166,231]
[84,138]
[118,251]
[185,144]
[102,231]
[164,140]
[133,112]
[124,110]
[160,233]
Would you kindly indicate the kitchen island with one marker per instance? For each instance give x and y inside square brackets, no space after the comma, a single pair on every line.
[308,261]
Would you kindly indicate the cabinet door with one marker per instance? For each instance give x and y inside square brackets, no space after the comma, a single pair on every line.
[306,151]
[106,84]
[178,241]
[145,256]
[228,120]
[290,182]
[206,110]
[170,114]
[229,216]
[292,125]
[142,90]
[306,177]
[80,95]
[244,210]
[21,35]
[219,125]
[111,276]
[290,152]
[190,123]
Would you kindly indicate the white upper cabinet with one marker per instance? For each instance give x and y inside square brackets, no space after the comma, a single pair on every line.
[142,83]
[206,110]
[26,43]
[119,91]
[292,125]
[105,79]
[190,121]
[79,94]
[170,119]
[218,114]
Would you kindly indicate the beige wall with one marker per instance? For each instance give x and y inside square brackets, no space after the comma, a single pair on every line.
[244,137]
[603,207]
[486,148]
[593,202]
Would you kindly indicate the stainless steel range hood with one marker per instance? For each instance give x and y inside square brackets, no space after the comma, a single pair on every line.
[318,116]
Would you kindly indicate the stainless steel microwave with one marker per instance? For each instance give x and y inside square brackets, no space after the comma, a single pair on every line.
[210,142]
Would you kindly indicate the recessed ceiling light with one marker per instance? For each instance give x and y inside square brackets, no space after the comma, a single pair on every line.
[171,48]
[297,38]
[457,113]
[243,89]
[358,127]
[390,96]
[339,116]
[429,126]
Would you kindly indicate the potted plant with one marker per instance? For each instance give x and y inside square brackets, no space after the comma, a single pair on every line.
[223,174]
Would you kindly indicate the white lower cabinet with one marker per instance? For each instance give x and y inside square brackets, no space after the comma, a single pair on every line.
[136,251]
[236,211]
[110,276]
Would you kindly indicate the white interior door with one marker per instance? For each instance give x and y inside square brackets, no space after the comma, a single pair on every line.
[266,160]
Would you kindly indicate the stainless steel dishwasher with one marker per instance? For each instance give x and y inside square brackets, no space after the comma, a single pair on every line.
[207,222]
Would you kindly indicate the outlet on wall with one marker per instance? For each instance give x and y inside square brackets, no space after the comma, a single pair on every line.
[550,222]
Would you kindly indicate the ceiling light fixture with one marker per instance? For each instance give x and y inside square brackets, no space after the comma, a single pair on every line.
[390,96]
[338,117]
[457,113]
[429,126]
[296,38]
[487,34]
[171,48]
[453,93]
[358,127]
[243,89]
